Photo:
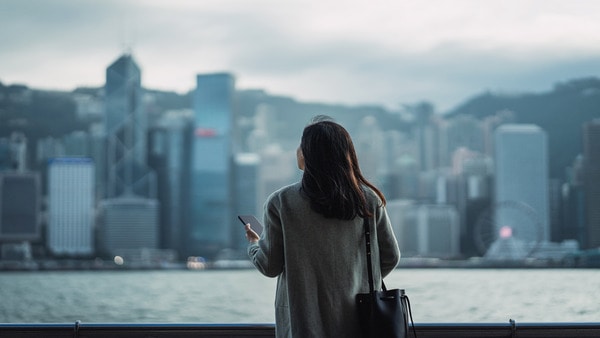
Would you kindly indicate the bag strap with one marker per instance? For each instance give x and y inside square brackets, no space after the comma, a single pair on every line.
[408,309]
[368,252]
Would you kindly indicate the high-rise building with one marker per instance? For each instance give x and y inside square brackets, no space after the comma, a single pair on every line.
[126,131]
[591,183]
[426,131]
[19,150]
[71,206]
[425,230]
[47,148]
[245,192]
[169,156]
[556,208]
[129,212]
[98,154]
[489,125]
[77,144]
[392,150]
[13,153]
[369,148]
[5,155]
[277,168]
[521,186]
[573,203]
[20,206]
[129,223]
[468,189]
[262,132]
[402,180]
[461,132]
[212,219]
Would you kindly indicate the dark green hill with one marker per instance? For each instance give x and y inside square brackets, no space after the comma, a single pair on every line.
[561,112]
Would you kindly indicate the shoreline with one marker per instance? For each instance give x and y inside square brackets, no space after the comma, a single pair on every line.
[405,263]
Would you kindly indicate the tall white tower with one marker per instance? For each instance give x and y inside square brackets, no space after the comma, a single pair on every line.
[522,181]
[71,206]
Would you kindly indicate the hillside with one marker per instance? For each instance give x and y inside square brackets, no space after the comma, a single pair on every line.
[561,112]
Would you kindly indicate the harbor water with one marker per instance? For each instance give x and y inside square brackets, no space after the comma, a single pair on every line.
[245,296]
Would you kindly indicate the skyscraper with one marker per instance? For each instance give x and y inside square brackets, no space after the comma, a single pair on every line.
[212,164]
[71,206]
[169,156]
[591,183]
[126,130]
[245,192]
[521,194]
[20,206]
[369,148]
[129,214]
[461,132]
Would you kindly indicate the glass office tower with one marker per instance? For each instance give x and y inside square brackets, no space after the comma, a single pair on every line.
[126,130]
[130,213]
[71,206]
[591,177]
[212,218]
[521,198]
[169,146]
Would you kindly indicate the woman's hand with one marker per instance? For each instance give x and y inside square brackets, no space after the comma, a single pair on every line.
[251,236]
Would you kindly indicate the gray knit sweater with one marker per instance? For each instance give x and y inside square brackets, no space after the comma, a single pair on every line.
[320,264]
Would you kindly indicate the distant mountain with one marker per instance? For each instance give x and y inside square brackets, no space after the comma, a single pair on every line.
[561,112]
[36,113]
[293,115]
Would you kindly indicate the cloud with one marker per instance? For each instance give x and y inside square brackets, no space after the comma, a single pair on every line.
[353,51]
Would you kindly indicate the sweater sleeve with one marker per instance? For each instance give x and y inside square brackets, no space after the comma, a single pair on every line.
[389,253]
[267,254]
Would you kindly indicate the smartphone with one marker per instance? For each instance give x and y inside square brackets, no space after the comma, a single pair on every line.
[254,223]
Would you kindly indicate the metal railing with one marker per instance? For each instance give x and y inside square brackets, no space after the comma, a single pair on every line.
[429,330]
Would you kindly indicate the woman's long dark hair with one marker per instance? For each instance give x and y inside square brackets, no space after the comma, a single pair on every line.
[332,179]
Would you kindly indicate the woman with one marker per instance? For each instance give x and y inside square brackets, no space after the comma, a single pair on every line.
[314,241]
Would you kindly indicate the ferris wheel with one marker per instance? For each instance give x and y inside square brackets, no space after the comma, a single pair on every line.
[508,229]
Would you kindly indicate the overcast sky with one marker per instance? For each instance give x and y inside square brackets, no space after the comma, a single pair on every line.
[334,51]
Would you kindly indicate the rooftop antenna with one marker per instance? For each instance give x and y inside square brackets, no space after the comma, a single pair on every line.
[126,37]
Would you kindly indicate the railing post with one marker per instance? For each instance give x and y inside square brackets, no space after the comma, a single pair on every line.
[76,328]
[513,328]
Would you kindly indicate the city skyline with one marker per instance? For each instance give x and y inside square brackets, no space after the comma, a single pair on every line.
[387,53]
[439,165]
